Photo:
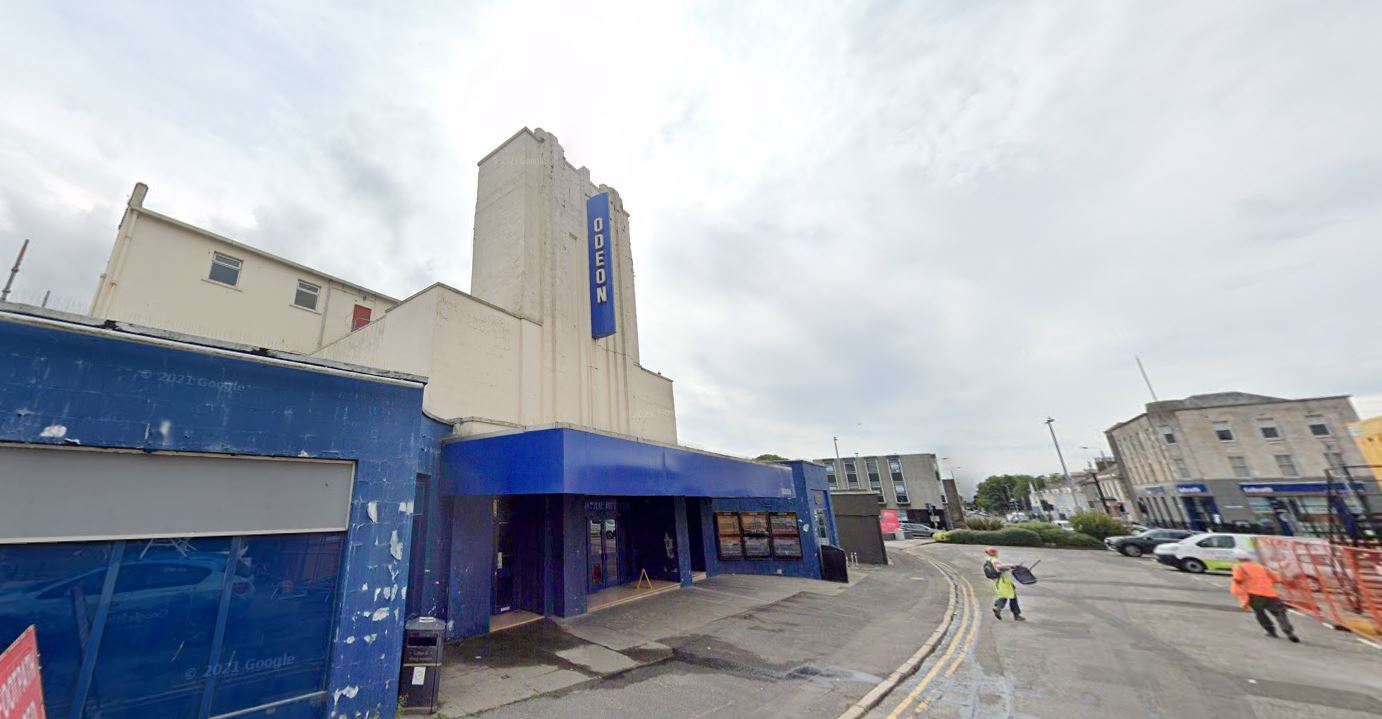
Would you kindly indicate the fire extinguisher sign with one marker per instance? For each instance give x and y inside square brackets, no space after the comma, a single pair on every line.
[21,692]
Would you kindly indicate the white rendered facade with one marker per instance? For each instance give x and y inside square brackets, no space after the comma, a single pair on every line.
[517,351]
[160,274]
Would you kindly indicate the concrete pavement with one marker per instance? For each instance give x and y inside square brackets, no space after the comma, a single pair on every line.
[1111,636]
[728,646]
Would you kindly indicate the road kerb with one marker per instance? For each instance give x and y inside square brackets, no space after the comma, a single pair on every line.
[909,667]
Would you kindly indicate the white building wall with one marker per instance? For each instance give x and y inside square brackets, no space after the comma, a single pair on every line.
[157,275]
[517,352]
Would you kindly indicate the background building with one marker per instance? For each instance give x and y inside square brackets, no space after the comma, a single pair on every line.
[909,483]
[257,524]
[1237,459]
[1367,434]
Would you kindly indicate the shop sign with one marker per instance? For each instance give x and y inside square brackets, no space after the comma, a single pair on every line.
[21,691]
[1296,487]
[601,266]
[888,518]
[1155,491]
[1191,489]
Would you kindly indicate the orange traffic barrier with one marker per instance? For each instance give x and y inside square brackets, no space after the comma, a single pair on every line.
[1336,584]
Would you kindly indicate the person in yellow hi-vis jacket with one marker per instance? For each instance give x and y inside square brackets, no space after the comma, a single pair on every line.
[1004,590]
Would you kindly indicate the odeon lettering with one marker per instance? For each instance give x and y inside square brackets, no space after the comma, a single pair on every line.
[601,262]
[601,277]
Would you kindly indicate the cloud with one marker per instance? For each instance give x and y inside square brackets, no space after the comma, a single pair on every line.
[919,227]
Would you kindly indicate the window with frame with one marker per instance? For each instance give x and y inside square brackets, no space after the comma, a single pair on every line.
[1318,425]
[1240,467]
[830,474]
[1168,435]
[307,294]
[1182,469]
[875,481]
[1335,459]
[900,491]
[1223,431]
[851,475]
[1268,428]
[225,269]
[1287,465]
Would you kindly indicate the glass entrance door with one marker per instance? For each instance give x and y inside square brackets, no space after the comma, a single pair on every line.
[503,592]
[604,568]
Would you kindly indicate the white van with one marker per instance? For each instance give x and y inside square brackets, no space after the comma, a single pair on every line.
[1199,552]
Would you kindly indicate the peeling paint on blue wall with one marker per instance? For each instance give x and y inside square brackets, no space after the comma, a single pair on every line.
[77,387]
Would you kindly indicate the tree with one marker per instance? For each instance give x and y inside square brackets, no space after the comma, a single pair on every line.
[1006,492]
[768,458]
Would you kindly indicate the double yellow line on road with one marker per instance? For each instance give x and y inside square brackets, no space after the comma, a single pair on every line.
[956,649]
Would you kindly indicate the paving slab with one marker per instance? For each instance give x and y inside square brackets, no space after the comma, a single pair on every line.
[598,659]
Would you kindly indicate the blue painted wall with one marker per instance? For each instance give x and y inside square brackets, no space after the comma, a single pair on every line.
[805,477]
[569,461]
[472,566]
[110,391]
[431,598]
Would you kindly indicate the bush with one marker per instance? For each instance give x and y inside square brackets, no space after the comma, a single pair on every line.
[983,524]
[1009,537]
[1049,533]
[1078,540]
[1097,525]
[1055,536]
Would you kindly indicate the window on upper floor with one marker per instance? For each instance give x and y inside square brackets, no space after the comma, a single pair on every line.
[1267,426]
[1240,467]
[1182,469]
[875,481]
[851,475]
[224,269]
[307,295]
[1335,459]
[900,491]
[1318,425]
[1287,465]
[1169,435]
[830,473]
[1223,431]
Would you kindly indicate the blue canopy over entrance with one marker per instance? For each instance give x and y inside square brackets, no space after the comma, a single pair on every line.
[563,460]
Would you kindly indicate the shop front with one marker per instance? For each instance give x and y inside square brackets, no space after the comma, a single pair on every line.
[570,514]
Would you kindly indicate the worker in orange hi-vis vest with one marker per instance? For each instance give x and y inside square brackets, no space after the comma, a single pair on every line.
[1255,587]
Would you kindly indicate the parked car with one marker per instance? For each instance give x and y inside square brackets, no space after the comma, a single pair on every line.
[1199,552]
[916,530]
[1143,542]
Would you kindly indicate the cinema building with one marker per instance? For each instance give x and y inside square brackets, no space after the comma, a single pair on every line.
[224,491]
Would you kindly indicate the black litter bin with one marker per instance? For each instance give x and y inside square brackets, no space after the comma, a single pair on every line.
[420,679]
[833,567]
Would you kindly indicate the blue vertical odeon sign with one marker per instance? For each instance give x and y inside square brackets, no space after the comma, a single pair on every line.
[601,266]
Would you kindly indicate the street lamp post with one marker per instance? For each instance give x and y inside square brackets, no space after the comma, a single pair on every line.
[839,466]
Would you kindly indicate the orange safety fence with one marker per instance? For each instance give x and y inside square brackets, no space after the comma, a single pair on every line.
[1336,584]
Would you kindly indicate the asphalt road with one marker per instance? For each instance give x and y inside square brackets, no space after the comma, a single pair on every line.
[808,655]
[1111,636]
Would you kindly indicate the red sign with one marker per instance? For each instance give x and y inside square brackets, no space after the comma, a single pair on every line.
[21,692]
[888,518]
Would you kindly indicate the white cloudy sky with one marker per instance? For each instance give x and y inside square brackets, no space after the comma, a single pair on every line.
[919,226]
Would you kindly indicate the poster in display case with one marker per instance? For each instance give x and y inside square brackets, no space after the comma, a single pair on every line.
[757,537]
[786,538]
[727,531]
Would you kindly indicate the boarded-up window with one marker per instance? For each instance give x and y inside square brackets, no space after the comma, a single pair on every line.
[360,317]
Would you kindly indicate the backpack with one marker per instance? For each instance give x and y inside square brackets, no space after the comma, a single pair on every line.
[991,571]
